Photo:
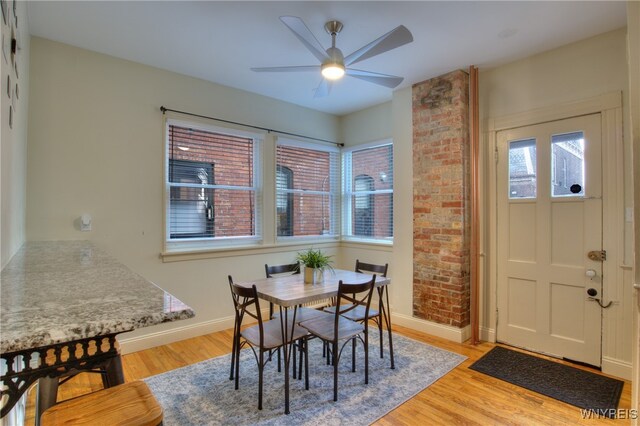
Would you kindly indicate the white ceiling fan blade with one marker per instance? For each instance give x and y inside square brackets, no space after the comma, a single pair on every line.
[301,68]
[323,89]
[386,80]
[299,28]
[394,38]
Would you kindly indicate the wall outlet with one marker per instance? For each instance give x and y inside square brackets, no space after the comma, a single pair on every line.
[85,222]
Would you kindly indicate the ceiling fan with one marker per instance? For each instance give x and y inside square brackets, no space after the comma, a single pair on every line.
[333,64]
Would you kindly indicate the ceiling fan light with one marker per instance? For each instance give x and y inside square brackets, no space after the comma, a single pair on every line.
[332,71]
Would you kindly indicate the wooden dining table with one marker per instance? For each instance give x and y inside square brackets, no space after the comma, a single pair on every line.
[288,292]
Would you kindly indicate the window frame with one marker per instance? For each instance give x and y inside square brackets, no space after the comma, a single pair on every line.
[334,194]
[177,245]
[347,233]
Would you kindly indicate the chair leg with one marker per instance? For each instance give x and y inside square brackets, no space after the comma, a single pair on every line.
[233,356]
[353,355]
[293,367]
[260,373]
[381,292]
[366,357]
[233,347]
[306,363]
[279,362]
[237,375]
[335,370]
[300,360]
[381,334]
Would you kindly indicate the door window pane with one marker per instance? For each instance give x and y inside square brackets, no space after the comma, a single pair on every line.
[522,169]
[567,165]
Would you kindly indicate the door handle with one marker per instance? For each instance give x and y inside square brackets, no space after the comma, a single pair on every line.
[592,293]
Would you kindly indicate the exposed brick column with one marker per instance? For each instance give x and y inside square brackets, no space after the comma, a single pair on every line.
[441,233]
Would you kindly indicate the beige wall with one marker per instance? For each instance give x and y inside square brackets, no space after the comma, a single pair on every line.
[13,149]
[575,72]
[368,125]
[96,146]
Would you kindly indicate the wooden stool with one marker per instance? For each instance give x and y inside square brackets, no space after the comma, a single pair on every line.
[128,404]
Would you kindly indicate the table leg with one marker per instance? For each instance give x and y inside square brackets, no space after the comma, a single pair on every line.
[47,395]
[115,375]
[385,315]
[287,348]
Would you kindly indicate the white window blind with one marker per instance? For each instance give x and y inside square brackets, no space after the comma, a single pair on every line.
[307,190]
[212,186]
[368,192]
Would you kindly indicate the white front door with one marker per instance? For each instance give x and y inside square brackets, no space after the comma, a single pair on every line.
[549,219]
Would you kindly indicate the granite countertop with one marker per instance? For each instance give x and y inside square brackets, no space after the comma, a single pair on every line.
[59,291]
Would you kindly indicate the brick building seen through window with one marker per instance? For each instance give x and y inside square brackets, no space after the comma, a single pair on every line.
[212,190]
[213,193]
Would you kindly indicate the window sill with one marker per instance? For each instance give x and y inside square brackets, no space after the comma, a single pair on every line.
[215,253]
[368,244]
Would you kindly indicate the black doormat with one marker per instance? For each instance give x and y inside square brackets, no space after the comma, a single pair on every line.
[562,382]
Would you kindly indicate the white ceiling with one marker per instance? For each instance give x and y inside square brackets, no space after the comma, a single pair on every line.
[220,41]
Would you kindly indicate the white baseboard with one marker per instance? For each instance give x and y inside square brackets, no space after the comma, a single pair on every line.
[488,334]
[164,337]
[617,367]
[448,332]
[159,338]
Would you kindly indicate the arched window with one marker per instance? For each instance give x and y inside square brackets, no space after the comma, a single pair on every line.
[363,206]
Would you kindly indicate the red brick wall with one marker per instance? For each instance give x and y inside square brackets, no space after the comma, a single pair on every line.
[441,285]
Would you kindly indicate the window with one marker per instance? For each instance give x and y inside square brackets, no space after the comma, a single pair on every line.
[191,207]
[284,200]
[363,206]
[368,192]
[568,168]
[307,194]
[522,169]
[212,187]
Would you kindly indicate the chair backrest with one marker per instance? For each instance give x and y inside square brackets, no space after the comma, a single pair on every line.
[371,268]
[354,295]
[243,299]
[292,268]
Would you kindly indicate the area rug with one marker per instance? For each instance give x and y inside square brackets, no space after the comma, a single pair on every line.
[562,382]
[202,394]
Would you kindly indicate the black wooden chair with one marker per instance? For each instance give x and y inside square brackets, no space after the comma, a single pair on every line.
[266,336]
[336,328]
[380,316]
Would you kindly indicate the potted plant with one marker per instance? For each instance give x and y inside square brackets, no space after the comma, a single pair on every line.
[315,262]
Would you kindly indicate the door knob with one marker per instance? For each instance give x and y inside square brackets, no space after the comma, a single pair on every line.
[591,273]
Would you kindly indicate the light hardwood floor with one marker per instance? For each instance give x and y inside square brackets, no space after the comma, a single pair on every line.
[463,396]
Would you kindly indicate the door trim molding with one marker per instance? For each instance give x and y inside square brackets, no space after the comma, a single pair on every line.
[594,105]
[609,106]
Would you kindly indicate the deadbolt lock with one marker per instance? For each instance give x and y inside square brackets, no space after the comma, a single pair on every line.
[597,255]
